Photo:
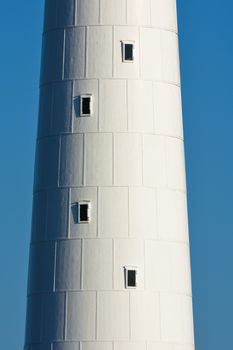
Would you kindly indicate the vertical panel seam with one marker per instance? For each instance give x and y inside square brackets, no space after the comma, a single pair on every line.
[75,12]
[99,104]
[113,263]
[142,160]
[63,54]
[113,51]
[127,103]
[98,211]
[82,264]
[113,160]
[139,52]
[84,161]
[86,51]
[128,193]
[126,12]
[96,317]
[130,331]
[144,248]
[99,14]
[59,160]
[55,266]
[69,213]
[65,316]
[72,108]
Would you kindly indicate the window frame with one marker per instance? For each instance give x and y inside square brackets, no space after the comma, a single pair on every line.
[88,203]
[126,270]
[124,43]
[90,96]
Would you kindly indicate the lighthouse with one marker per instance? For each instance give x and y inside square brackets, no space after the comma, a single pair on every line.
[109,261]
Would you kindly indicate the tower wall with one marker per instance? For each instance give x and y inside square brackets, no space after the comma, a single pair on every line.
[127,161]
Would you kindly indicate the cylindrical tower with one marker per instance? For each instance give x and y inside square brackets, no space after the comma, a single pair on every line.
[109,256]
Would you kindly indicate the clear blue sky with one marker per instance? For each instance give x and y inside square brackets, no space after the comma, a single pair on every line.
[206,44]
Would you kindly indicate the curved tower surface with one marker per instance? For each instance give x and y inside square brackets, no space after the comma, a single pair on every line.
[109,255]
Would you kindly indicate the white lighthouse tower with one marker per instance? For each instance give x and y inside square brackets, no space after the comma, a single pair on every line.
[109,255]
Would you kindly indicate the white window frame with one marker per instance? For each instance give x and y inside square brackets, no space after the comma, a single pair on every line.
[123,43]
[127,269]
[88,203]
[81,105]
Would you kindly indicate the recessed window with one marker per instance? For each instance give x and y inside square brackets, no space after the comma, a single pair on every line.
[131,277]
[86,102]
[84,212]
[128,51]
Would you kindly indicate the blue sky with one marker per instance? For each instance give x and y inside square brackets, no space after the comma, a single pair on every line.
[206,47]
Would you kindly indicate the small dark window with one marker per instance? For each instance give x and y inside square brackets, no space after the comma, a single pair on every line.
[130,277]
[128,51]
[85,105]
[84,212]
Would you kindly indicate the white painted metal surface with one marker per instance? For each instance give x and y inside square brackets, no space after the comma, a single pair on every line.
[127,160]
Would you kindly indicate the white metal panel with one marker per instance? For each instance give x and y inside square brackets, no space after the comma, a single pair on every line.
[113,212]
[127,159]
[98,159]
[113,105]
[88,124]
[140,106]
[113,316]
[33,320]
[65,13]
[142,212]
[168,116]
[68,265]
[172,204]
[126,69]
[99,52]
[167,267]
[47,157]
[144,316]
[175,164]
[97,257]
[151,55]
[171,65]
[87,12]
[57,214]
[138,12]
[71,160]
[53,317]
[61,108]
[163,14]
[180,267]
[74,53]
[81,306]
[45,110]
[113,12]
[50,21]
[42,258]
[176,318]
[52,56]
[154,171]
[128,252]
[39,216]
[158,266]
